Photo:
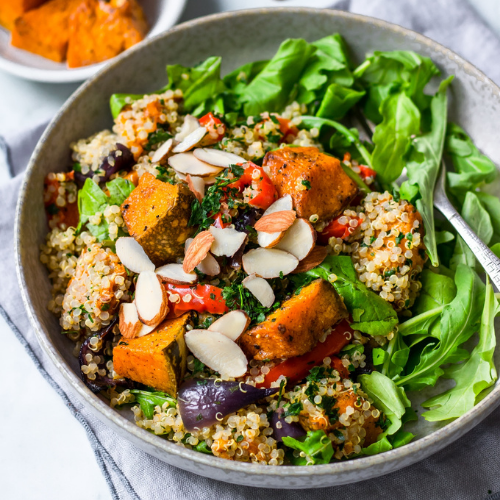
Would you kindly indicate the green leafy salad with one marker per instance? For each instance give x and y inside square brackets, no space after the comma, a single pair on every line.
[264,248]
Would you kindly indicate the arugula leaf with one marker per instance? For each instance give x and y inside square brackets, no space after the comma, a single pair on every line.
[91,199]
[458,322]
[337,101]
[199,84]
[400,121]
[273,87]
[492,206]
[119,190]
[424,164]
[471,167]
[377,447]
[472,377]
[401,438]
[316,445]
[478,218]
[372,314]
[237,80]
[387,397]
[351,135]
[118,101]
[149,400]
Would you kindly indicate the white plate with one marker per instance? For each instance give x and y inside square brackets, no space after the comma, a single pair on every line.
[161,15]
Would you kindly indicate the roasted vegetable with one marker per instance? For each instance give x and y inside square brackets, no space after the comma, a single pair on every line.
[203,402]
[296,369]
[119,159]
[157,215]
[94,380]
[45,30]
[101,30]
[285,429]
[316,181]
[295,327]
[158,359]
[10,10]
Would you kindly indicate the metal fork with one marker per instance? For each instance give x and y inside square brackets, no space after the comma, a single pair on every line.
[489,261]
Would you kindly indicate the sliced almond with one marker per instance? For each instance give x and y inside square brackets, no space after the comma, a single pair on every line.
[260,289]
[207,180]
[132,255]
[187,163]
[189,125]
[299,240]
[190,141]
[276,221]
[269,240]
[173,273]
[232,324]
[145,330]
[151,298]
[208,265]
[217,157]
[162,151]
[269,262]
[197,251]
[218,352]
[129,323]
[227,241]
[315,258]
[196,186]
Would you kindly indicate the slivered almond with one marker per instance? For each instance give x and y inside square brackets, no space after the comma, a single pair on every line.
[276,222]
[315,258]
[197,186]
[129,323]
[151,298]
[197,250]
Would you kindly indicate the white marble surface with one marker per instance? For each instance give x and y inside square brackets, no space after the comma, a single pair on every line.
[44,452]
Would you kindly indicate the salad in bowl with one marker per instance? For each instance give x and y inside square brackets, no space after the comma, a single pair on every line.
[257,277]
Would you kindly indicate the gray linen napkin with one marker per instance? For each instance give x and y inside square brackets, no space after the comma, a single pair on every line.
[468,469]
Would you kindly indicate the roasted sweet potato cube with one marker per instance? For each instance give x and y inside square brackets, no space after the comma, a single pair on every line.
[100,30]
[45,30]
[295,327]
[158,359]
[10,10]
[157,214]
[316,181]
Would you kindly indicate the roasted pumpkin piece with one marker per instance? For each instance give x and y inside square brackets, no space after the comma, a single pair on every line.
[45,30]
[61,205]
[10,10]
[315,181]
[157,214]
[100,30]
[158,359]
[295,327]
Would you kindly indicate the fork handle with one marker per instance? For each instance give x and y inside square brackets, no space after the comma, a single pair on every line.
[489,261]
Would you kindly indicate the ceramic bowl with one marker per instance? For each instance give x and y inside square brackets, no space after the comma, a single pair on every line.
[161,15]
[475,104]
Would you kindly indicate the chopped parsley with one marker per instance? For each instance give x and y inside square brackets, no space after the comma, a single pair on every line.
[156,137]
[399,238]
[307,184]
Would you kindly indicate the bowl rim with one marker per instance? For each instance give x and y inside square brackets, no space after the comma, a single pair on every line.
[68,75]
[425,445]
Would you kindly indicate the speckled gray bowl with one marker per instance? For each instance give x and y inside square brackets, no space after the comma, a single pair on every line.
[475,105]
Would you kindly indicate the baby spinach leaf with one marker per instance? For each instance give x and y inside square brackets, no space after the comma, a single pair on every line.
[149,400]
[273,87]
[424,164]
[378,316]
[119,190]
[337,101]
[471,167]
[118,101]
[400,121]
[199,83]
[478,218]
[91,199]
[492,206]
[387,397]
[316,445]
[472,377]
[459,320]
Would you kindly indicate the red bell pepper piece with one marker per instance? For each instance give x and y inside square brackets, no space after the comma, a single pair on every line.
[219,222]
[296,369]
[256,186]
[335,229]
[366,172]
[201,298]
[216,129]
